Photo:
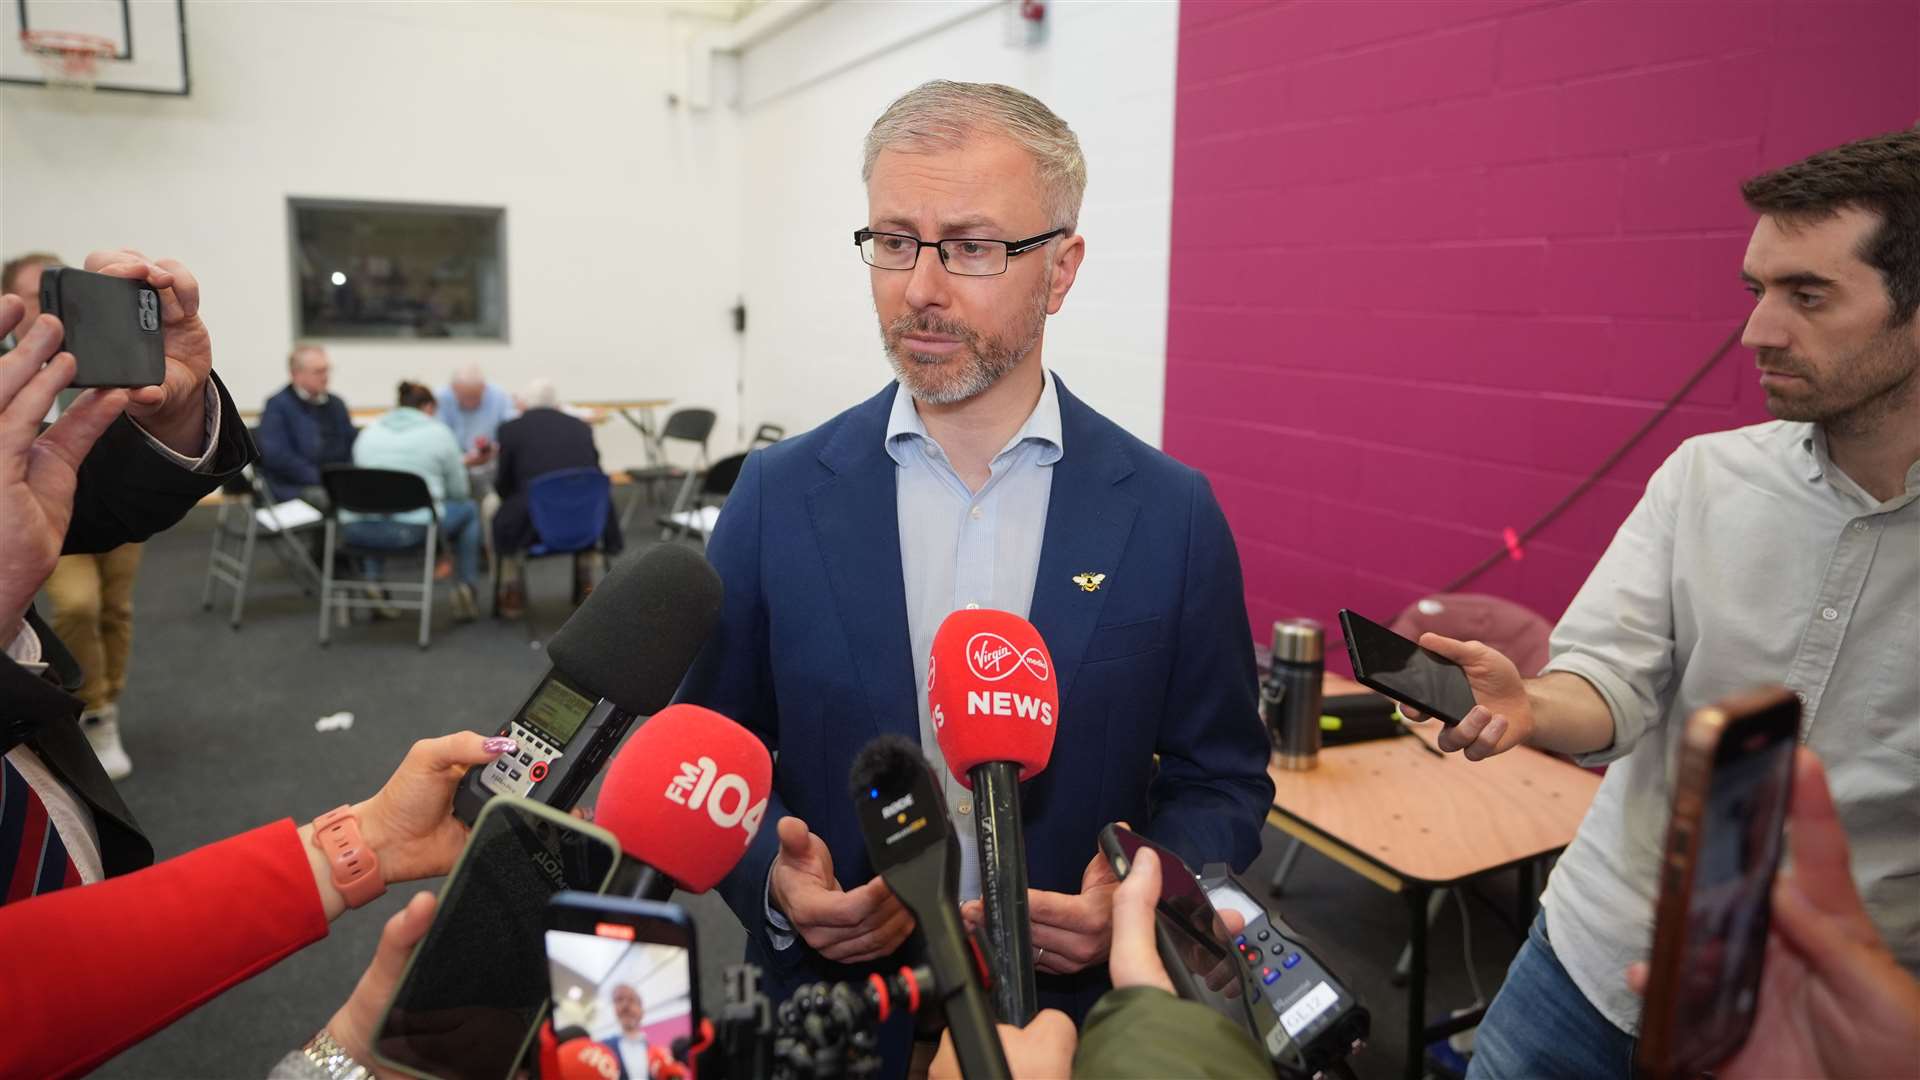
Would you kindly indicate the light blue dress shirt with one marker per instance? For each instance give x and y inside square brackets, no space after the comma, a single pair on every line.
[961,549]
[496,408]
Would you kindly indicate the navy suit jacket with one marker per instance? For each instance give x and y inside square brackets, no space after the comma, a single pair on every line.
[811,653]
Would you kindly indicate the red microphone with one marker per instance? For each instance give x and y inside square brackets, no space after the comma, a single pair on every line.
[994,702]
[685,797]
[584,1059]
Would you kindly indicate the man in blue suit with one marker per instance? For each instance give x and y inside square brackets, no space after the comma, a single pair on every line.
[977,480]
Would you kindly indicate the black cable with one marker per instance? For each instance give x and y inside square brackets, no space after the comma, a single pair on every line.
[1595,476]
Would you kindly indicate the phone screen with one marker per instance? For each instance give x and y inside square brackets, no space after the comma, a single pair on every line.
[1404,671]
[477,984]
[625,982]
[1739,850]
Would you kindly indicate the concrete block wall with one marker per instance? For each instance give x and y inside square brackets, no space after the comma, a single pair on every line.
[1433,260]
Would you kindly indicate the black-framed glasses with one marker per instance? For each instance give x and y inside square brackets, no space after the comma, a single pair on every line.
[963,255]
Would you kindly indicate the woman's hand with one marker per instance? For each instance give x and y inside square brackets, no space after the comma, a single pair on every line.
[409,823]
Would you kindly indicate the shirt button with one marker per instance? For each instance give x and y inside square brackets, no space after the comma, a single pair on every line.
[1859,526]
[965,807]
[973,607]
[1829,614]
[974,513]
[1802,695]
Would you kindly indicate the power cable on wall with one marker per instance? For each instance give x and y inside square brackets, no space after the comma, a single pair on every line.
[1516,541]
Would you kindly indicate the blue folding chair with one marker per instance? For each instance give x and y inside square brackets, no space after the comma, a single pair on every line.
[569,509]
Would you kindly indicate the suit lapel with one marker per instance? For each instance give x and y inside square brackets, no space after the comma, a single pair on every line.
[1088,522]
[856,521]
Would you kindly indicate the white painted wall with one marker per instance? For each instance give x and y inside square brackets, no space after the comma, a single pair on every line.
[632,226]
[622,240]
[807,97]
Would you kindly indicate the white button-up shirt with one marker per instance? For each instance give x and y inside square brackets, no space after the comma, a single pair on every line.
[1751,559]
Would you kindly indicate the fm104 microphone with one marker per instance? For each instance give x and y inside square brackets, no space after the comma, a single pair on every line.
[911,845]
[620,656]
[994,702]
[684,797]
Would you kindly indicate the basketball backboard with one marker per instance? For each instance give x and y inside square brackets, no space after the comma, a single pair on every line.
[149,39]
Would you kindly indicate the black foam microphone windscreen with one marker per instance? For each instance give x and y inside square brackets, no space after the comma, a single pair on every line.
[636,635]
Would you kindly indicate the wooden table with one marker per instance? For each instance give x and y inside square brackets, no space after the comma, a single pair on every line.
[1413,820]
[639,413]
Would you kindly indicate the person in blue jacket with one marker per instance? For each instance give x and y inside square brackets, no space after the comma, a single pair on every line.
[303,428]
[977,479]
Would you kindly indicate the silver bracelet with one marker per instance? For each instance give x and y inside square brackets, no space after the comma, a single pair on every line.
[332,1059]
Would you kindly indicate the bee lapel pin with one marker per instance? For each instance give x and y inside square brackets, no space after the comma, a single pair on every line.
[1089,581]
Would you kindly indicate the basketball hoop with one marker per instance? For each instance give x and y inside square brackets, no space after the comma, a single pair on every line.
[68,57]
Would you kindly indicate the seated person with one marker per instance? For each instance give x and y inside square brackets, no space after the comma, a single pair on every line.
[473,409]
[303,428]
[543,440]
[408,439]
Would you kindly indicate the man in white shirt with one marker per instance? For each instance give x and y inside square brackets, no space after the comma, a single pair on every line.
[1785,552]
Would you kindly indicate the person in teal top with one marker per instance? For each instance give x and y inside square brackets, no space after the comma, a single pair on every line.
[409,439]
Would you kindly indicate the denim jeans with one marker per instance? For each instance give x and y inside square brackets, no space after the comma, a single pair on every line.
[459,532]
[1541,1026]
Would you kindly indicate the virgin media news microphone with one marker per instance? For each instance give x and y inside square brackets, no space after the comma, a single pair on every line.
[620,656]
[912,847]
[684,797]
[991,692]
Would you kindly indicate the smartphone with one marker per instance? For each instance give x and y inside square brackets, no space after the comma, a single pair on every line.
[1193,940]
[475,989]
[1405,672]
[1724,842]
[625,976]
[112,326]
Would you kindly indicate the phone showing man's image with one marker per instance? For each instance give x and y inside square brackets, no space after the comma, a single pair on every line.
[112,326]
[625,979]
[1723,848]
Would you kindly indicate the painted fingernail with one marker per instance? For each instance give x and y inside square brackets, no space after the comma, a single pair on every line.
[500,744]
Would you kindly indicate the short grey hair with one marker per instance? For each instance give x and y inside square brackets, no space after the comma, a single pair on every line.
[540,394]
[468,374]
[944,114]
[304,348]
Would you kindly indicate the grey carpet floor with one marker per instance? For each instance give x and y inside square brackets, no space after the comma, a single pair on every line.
[219,724]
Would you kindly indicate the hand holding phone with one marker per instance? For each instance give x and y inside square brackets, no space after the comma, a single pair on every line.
[1471,687]
[1724,840]
[112,326]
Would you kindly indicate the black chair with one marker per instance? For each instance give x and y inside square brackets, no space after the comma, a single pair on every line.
[691,426]
[715,485]
[375,491]
[247,511]
[766,435]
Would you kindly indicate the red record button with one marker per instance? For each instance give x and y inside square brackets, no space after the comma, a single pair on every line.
[538,772]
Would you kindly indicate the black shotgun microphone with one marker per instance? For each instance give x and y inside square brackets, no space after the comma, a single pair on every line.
[620,656]
[911,845]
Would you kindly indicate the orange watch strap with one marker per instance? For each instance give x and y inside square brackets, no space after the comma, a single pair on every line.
[356,870]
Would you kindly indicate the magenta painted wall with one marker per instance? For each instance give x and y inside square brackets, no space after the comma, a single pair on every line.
[1433,260]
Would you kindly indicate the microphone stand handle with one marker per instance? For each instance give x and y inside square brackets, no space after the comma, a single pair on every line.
[1003,890]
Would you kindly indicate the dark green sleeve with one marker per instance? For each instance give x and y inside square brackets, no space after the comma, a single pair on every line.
[1150,1034]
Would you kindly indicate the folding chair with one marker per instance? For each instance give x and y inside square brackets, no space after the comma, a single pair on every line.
[766,435]
[569,509]
[375,491]
[695,517]
[691,426]
[247,511]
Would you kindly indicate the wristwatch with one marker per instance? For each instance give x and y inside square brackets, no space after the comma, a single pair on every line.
[332,1059]
[356,869]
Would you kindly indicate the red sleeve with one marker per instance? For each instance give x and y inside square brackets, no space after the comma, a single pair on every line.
[87,972]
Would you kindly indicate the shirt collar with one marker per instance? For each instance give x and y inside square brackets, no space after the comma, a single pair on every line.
[1043,425]
[311,399]
[1819,465]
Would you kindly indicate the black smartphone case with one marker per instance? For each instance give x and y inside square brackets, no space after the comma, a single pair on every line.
[112,326]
